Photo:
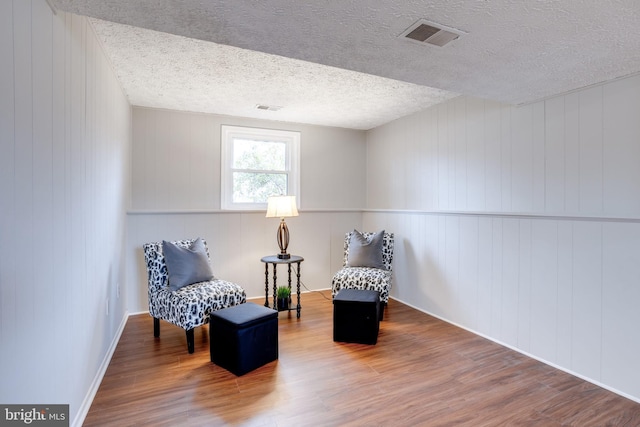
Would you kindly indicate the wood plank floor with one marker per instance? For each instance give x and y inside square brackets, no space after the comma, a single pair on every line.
[423,371]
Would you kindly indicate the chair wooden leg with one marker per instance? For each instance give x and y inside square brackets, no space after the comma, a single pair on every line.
[190,340]
[383,305]
[156,327]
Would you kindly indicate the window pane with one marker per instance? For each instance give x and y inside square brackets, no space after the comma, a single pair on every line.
[257,163]
[260,155]
[257,187]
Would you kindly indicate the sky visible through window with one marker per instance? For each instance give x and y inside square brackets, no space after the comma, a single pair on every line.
[259,170]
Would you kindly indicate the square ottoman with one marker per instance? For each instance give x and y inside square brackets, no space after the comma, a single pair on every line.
[243,337]
[355,316]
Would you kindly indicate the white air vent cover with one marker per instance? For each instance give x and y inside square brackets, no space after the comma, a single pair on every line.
[268,107]
[424,31]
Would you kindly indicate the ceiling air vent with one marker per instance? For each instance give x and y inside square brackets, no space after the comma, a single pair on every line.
[431,33]
[268,107]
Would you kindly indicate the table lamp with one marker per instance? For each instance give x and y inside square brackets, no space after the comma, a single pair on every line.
[282,207]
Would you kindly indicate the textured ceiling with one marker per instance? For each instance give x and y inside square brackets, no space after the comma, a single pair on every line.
[162,70]
[514,51]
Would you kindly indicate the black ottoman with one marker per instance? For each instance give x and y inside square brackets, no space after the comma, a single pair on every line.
[355,316]
[243,337]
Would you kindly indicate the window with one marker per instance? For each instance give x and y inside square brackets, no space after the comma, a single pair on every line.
[256,164]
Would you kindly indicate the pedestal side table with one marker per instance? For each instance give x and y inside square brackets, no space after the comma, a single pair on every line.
[274,261]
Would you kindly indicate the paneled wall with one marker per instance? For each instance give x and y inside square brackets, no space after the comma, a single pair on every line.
[571,155]
[236,243]
[176,162]
[176,194]
[522,223]
[65,132]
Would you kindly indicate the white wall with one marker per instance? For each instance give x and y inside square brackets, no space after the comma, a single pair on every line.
[522,223]
[176,194]
[65,131]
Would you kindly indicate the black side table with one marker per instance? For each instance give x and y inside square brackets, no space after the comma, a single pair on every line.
[274,260]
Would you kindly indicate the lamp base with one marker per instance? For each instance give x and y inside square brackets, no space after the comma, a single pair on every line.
[284,256]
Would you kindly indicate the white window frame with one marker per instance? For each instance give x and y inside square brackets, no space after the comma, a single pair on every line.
[292,142]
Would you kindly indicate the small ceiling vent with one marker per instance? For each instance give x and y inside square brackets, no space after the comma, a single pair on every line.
[431,33]
[268,107]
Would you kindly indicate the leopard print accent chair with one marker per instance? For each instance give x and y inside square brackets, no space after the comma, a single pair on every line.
[366,277]
[189,306]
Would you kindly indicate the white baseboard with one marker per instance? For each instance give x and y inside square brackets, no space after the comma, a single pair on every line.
[139,312]
[95,384]
[553,365]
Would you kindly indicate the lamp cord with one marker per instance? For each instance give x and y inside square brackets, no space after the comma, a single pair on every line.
[305,286]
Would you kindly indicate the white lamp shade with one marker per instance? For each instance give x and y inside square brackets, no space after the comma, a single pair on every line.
[281,207]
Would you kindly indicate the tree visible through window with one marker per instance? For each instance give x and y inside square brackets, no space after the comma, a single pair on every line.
[259,170]
[257,163]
